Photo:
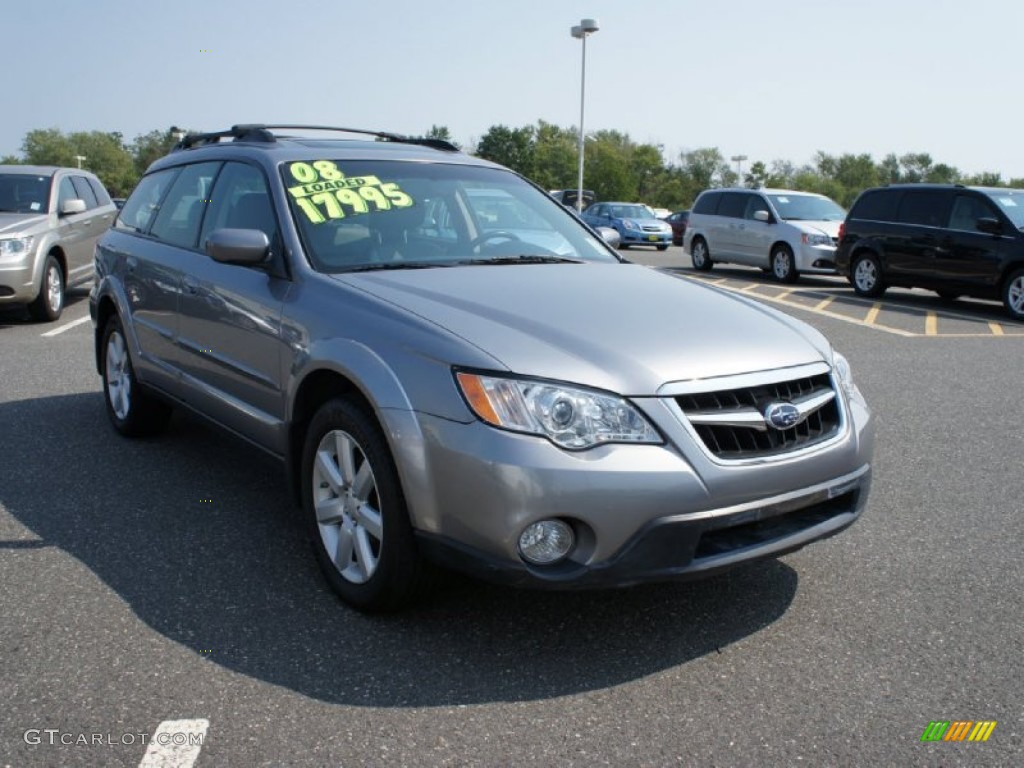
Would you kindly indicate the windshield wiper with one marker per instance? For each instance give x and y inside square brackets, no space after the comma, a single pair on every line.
[395,265]
[525,258]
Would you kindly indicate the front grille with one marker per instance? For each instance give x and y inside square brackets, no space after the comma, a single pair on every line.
[731,423]
[651,228]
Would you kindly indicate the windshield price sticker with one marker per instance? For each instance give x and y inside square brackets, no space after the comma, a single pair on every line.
[324,192]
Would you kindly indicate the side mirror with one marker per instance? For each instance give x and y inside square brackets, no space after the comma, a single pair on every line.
[989,225]
[238,246]
[72,206]
[610,236]
[763,216]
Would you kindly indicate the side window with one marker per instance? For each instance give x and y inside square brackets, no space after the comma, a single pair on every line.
[708,203]
[101,194]
[177,221]
[84,191]
[967,209]
[755,203]
[733,205]
[876,205]
[144,202]
[240,200]
[927,207]
[65,192]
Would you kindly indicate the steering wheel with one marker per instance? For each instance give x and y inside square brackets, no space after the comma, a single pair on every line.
[496,234]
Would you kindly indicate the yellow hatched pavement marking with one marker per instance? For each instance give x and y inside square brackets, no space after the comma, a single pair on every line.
[824,303]
[996,328]
[931,324]
[873,313]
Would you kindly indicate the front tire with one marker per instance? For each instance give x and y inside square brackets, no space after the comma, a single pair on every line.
[866,276]
[50,302]
[783,265]
[355,510]
[663,247]
[132,411]
[700,256]
[1013,294]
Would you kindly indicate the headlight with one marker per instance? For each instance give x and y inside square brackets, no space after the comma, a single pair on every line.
[808,239]
[15,246]
[841,366]
[629,224]
[567,416]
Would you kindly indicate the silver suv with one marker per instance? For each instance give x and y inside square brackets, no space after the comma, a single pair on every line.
[782,231]
[455,370]
[50,220]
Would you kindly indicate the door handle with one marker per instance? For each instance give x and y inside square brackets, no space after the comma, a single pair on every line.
[191,284]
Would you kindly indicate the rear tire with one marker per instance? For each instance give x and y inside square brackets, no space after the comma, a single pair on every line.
[866,276]
[50,302]
[700,256]
[1013,294]
[132,411]
[355,511]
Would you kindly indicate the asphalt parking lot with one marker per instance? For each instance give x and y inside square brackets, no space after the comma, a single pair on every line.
[163,588]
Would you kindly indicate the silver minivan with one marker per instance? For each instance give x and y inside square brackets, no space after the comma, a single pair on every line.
[50,220]
[782,231]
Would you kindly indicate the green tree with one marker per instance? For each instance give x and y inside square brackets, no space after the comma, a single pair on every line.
[441,132]
[103,153]
[149,147]
[555,156]
[511,147]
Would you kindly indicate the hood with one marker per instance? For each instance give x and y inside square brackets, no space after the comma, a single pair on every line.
[16,223]
[620,327]
[830,228]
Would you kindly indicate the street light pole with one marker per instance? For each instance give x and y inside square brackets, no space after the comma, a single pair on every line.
[80,158]
[586,27]
[738,159]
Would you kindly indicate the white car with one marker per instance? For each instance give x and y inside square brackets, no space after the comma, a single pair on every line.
[782,231]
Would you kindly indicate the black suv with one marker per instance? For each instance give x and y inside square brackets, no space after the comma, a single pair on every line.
[951,239]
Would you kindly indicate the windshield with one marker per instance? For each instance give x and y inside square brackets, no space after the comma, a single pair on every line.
[631,212]
[1011,202]
[24,193]
[807,208]
[370,214]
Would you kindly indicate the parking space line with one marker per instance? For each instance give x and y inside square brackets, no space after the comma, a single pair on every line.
[750,288]
[785,293]
[66,327]
[76,270]
[175,744]
[931,323]
[872,314]
[996,328]
[824,303]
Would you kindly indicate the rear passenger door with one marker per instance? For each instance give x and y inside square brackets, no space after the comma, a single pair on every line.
[230,315]
[913,252]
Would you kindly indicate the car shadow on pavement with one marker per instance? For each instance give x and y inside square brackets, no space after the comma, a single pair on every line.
[198,534]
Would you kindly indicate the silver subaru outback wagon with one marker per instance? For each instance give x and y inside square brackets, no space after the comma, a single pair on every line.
[456,371]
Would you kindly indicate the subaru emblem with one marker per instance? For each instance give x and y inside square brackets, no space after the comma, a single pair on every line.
[782,415]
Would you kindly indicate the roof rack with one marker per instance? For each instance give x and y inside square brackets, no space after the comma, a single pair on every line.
[257,132]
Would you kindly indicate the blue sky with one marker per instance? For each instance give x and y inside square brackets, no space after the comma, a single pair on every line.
[768,80]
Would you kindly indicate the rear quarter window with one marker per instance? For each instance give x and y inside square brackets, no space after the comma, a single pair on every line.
[877,205]
[707,203]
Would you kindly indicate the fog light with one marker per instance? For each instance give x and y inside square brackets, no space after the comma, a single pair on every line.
[546,542]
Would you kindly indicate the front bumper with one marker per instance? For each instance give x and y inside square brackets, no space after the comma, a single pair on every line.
[639,237]
[17,282]
[640,512]
[819,259]
[683,547]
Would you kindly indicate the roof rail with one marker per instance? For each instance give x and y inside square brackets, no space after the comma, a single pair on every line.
[262,133]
